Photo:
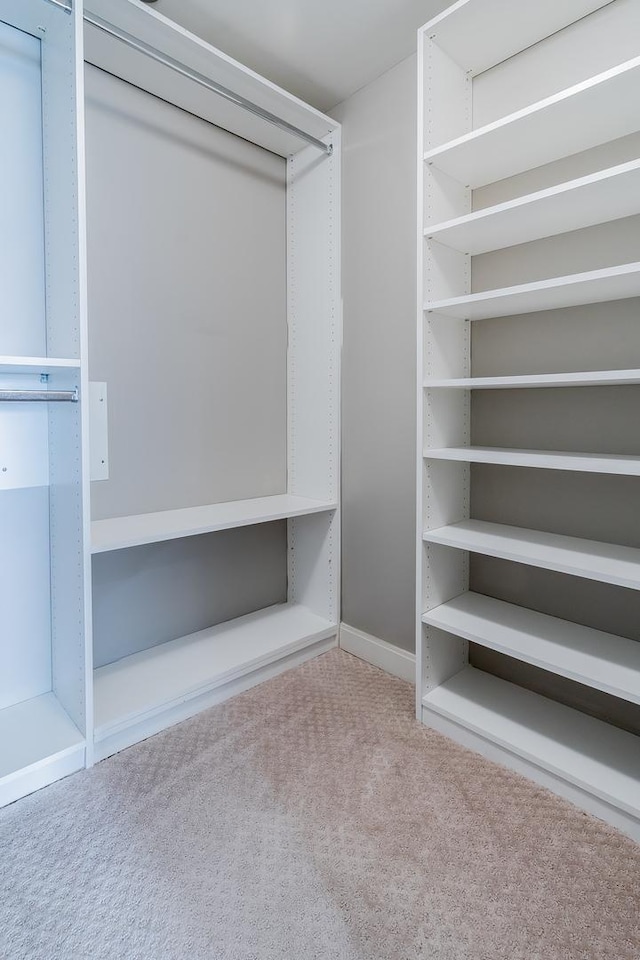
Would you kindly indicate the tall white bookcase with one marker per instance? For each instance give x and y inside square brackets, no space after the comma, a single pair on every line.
[518,104]
[58,714]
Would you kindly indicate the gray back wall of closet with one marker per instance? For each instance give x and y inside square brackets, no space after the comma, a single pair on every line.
[187,297]
[187,320]
[378,368]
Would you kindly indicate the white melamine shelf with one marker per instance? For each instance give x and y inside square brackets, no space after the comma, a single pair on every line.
[598,198]
[122,532]
[591,657]
[584,115]
[589,378]
[595,286]
[513,27]
[36,364]
[605,562]
[33,732]
[543,459]
[152,682]
[594,756]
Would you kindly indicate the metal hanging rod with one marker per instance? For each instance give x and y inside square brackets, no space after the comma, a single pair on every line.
[60,3]
[55,396]
[203,81]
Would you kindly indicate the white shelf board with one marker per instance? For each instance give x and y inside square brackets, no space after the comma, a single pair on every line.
[505,28]
[36,364]
[595,286]
[594,756]
[122,532]
[154,681]
[589,378]
[596,659]
[544,459]
[605,562]
[598,198]
[34,732]
[584,115]
[176,43]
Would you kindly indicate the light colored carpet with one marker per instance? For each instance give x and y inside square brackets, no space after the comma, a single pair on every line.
[311,818]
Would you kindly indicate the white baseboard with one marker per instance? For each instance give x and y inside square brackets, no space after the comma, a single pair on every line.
[378,652]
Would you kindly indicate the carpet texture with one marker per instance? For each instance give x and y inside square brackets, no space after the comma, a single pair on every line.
[312,817]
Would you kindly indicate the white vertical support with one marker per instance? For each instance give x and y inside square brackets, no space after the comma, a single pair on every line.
[315,321]
[63,70]
[84,383]
[444,112]
[315,340]
[59,113]
[67,558]
[314,563]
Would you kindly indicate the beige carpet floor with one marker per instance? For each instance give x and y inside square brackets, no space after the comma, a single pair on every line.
[311,818]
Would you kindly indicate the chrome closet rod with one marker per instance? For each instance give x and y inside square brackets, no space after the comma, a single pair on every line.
[57,396]
[60,3]
[203,81]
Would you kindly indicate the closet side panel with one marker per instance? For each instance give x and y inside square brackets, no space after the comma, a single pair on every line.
[187,304]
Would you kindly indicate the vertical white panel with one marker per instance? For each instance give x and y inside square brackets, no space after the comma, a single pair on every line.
[315,339]
[314,311]
[99,431]
[443,350]
[85,504]
[22,313]
[60,144]
[444,656]
[67,560]
[66,318]
[314,563]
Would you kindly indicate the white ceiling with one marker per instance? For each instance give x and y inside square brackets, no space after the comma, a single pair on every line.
[320,50]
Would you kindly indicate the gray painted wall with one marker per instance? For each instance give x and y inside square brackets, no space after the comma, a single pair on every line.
[187,324]
[187,304]
[378,413]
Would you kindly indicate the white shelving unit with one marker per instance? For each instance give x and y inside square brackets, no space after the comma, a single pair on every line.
[142,693]
[44,694]
[58,714]
[593,763]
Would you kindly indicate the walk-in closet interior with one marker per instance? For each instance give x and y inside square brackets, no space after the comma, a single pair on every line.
[170,385]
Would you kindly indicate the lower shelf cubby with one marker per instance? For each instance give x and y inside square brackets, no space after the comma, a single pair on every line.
[39,744]
[148,691]
[591,763]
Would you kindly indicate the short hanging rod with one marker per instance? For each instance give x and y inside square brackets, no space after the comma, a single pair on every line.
[205,82]
[55,396]
[60,3]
